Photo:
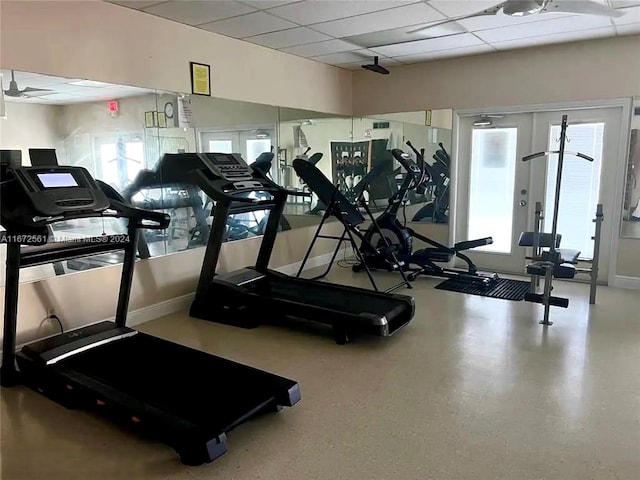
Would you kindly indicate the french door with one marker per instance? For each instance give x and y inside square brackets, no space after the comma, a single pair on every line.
[497,192]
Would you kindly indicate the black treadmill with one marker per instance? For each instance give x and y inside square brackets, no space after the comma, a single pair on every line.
[184,397]
[256,294]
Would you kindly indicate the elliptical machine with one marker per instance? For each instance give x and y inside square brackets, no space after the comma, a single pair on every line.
[426,260]
[437,210]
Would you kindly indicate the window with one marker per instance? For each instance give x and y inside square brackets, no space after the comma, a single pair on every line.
[221,146]
[493,169]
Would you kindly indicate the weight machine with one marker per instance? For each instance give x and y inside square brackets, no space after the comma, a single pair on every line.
[549,261]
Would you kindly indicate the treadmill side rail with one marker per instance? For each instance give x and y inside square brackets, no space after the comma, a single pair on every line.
[53,349]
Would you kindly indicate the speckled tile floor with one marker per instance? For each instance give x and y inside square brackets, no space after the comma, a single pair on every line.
[473,388]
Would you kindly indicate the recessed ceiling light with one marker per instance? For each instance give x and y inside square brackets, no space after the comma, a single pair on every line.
[90,83]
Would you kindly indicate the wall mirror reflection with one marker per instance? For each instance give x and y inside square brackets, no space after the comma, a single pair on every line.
[631,204]
[122,135]
[85,123]
[189,125]
[430,135]
[316,137]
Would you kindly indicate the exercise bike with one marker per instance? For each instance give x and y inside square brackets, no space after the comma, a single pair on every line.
[424,261]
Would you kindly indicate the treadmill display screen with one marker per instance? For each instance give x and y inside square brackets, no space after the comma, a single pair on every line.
[222,158]
[57,180]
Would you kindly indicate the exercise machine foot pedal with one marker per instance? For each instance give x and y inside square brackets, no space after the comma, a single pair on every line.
[553,301]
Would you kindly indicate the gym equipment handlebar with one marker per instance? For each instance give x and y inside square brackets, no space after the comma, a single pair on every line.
[469,244]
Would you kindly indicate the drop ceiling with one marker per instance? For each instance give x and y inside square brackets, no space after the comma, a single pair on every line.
[63,91]
[347,33]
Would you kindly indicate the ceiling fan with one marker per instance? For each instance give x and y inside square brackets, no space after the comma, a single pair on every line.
[26,92]
[523,8]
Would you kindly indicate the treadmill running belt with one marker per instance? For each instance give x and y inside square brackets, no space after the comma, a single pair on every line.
[177,379]
[318,295]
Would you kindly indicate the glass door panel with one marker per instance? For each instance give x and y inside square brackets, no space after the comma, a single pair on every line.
[491,186]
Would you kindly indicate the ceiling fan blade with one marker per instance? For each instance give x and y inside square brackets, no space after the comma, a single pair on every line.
[483,13]
[31,89]
[581,7]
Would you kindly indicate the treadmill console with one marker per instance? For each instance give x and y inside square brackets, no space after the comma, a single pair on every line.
[55,190]
[230,166]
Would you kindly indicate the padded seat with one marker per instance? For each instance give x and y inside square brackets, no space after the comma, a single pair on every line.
[434,254]
[544,239]
[563,270]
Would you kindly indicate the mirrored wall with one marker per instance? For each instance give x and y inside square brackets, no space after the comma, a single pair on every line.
[121,134]
[631,204]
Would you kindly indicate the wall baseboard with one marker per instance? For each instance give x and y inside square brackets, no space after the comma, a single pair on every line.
[167,307]
[629,283]
[312,262]
[157,310]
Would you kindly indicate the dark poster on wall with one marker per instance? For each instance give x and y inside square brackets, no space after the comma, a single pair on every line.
[350,163]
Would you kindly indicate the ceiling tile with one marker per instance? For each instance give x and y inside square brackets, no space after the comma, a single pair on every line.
[372,22]
[307,13]
[631,15]
[362,56]
[546,39]
[630,29]
[547,27]
[198,12]
[135,3]
[249,25]
[624,3]
[449,53]
[458,8]
[321,48]
[402,34]
[288,38]
[264,4]
[429,45]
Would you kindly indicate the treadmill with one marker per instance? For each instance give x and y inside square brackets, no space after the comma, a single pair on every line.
[251,295]
[186,398]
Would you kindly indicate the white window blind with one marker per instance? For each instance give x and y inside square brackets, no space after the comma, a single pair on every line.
[580,188]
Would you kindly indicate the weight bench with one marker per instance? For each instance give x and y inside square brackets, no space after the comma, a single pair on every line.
[548,264]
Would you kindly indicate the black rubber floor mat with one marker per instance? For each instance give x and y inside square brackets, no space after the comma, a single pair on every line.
[504,288]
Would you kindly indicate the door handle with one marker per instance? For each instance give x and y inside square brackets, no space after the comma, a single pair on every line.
[523,203]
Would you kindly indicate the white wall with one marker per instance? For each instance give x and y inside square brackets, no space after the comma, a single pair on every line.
[30,125]
[103,41]
[590,70]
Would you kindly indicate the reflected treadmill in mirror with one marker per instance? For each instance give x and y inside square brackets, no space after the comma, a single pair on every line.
[170,187]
